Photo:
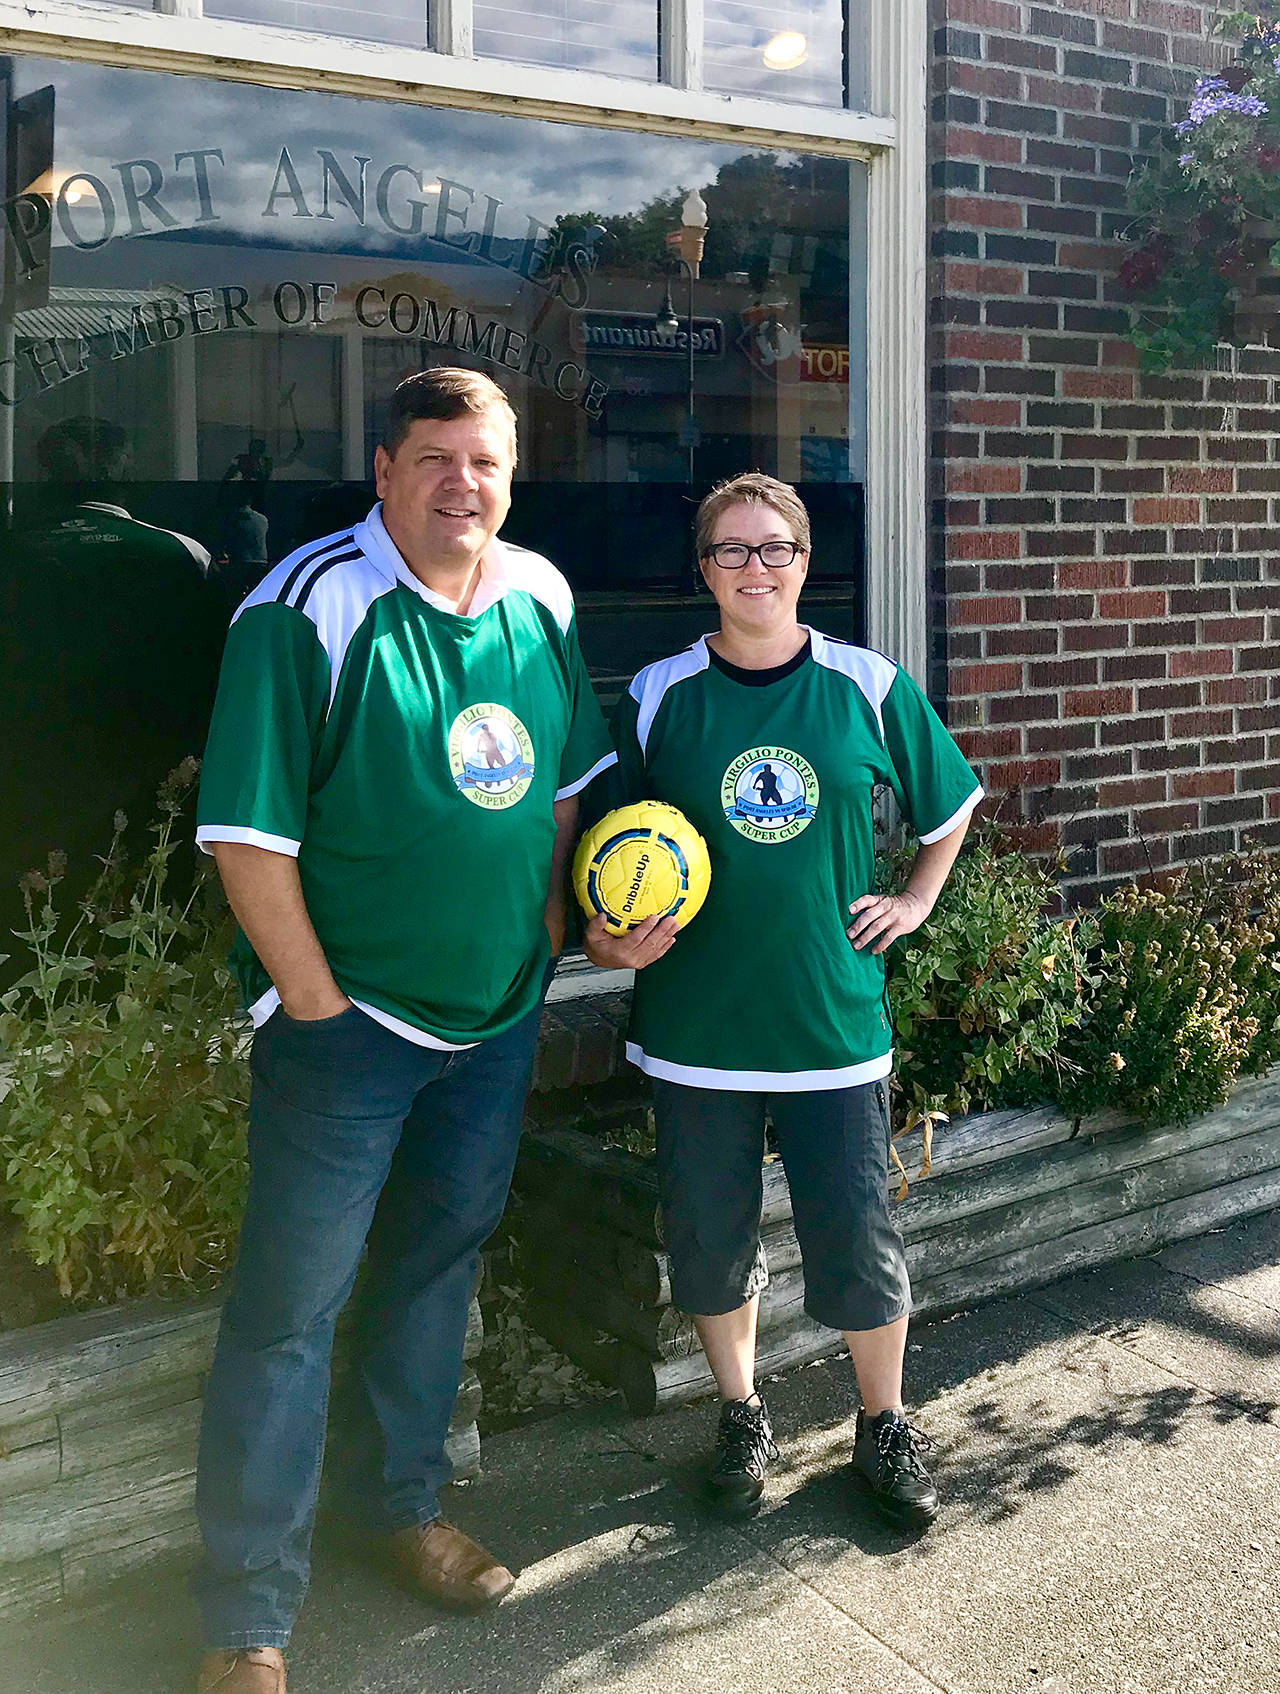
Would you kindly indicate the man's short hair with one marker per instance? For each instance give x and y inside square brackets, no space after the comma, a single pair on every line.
[444,392]
[83,453]
[752,488]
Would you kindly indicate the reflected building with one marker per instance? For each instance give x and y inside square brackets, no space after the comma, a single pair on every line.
[236,277]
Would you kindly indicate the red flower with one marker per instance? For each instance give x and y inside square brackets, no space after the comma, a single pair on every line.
[1140,270]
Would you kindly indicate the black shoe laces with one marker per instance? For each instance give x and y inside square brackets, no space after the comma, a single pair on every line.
[899,1446]
[744,1436]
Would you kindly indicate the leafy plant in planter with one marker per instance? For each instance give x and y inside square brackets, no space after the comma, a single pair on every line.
[985,993]
[1187,995]
[125,1080]
[1196,202]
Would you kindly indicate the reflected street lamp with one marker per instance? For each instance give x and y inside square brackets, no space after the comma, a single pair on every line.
[686,246]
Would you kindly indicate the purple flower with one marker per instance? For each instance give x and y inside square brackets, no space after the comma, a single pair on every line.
[1185,158]
[1212,98]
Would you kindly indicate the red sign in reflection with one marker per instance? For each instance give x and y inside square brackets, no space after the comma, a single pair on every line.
[823,362]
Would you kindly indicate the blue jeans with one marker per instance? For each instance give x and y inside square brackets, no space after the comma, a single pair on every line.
[354,1134]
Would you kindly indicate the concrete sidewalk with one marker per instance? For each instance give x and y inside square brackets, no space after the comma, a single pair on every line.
[1109,1453]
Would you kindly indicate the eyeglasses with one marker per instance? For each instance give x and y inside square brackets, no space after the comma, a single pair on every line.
[733,555]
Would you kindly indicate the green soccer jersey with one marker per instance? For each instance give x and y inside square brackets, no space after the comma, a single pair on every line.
[764,990]
[409,758]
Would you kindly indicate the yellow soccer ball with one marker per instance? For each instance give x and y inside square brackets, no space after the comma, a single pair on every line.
[639,861]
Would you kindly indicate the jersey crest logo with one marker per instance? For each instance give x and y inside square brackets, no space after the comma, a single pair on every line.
[769,794]
[491,756]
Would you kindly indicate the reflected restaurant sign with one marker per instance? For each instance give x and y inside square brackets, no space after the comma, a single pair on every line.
[636,334]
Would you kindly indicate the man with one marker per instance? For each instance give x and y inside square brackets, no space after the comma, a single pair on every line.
[242,557]
[110,637]
[398,918]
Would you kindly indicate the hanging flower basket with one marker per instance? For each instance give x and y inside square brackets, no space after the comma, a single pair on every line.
[1204,258]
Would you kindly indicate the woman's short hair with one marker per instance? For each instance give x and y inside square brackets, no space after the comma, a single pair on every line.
[752,488]
[443,393]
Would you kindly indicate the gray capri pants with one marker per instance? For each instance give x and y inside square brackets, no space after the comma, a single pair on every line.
[835,1147]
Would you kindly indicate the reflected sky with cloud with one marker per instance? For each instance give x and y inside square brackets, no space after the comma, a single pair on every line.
[786,50]
[618,37]
[394,22]
[101,113]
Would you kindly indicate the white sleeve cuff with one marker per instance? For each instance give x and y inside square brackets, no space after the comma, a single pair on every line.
[572,788]
[251,837]
[954,821]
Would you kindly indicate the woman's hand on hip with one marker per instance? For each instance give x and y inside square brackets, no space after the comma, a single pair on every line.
[634,950]
[879,919]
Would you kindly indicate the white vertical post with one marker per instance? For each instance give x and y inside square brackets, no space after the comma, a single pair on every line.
[179,8]
[450,23]
[897,305]
[354,467]
[681,45]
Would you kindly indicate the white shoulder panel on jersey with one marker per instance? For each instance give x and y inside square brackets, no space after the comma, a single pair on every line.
[199,553]
[649,685]
[332,582]
[531,574]
[871,671]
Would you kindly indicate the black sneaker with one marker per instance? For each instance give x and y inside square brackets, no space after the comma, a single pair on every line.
[744,1449]
[887,1466]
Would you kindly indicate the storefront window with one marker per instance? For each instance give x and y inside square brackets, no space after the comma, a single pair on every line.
[397,23]
[619,37]
[211,289]
[791,51]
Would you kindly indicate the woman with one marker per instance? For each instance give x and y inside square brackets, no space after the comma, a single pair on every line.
[771,738]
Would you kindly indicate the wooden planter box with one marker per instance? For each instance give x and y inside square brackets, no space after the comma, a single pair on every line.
[1015,1200]
[99,1417]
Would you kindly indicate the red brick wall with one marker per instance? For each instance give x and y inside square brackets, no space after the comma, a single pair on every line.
[1106,546]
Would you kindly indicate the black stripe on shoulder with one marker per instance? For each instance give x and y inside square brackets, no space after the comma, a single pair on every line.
[309,559]
[300,604]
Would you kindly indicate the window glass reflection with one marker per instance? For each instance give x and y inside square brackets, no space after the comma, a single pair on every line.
[619,37]
[400,23]
[209,294]
[793,50]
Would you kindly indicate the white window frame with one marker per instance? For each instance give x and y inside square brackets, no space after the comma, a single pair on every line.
[890,136]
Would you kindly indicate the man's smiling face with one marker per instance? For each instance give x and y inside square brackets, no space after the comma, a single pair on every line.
[447,491]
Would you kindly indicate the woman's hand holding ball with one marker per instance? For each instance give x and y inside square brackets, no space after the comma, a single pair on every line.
[639,947]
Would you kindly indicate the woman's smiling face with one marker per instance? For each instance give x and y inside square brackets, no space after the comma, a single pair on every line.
[758,597]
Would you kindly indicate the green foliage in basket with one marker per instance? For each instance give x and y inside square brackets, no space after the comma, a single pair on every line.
[124,1075]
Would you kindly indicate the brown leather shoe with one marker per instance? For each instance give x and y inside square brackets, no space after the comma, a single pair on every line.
[446,1566]
[243,1670]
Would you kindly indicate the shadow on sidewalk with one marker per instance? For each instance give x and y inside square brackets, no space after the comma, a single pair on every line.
[1050,1395]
